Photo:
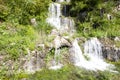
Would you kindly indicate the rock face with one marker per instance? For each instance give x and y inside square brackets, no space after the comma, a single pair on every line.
[60,41]
[34,61]
[78,52]
[111,53]
[109,49]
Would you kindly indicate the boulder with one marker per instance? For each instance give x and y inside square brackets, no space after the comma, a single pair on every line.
[60,41]
[111,53]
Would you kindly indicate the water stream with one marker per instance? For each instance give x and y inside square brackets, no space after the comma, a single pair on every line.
[91,58]
[63,24]
[56,19]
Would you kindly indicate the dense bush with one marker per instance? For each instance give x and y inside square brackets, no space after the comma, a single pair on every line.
[23,10]
[91,17]
[16,34]
[15,39]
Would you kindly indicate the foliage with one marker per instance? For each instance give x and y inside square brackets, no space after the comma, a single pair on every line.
[16,34]
[22,11]
[14,39]
[91,18]
[68,72]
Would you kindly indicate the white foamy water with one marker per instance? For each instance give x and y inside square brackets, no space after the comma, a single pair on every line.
[93,50]
[55,18]
[56,62]
[63,24]
[54,15]
[55,67]
[92,47]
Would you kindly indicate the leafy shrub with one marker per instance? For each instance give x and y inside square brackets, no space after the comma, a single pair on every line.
[22,11]
[15,39]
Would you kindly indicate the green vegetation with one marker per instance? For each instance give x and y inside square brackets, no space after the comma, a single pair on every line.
[68,72]
[15,39]
[17,34]
[22,11]
[91,18]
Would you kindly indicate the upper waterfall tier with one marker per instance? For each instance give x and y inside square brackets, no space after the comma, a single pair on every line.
[55,18]
[54,15]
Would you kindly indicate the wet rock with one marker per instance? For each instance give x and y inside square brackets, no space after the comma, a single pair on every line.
[66,10]
[60,41]
[34,61]
[111,53]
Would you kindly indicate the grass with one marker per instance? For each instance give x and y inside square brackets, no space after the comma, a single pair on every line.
[68,72]
[107,29]
[104,27]
[14,39]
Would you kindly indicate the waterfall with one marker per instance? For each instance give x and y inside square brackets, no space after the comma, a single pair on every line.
[56,19]
[56,62]
[63,24]
[66,10]
[93,47]
[78,53]
[93,50]
[54,15]
[91,57]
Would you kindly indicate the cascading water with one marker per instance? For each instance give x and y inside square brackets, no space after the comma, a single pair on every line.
[93,50]
[63,24]
[76,52]
[54,15]
[92,47]
[56,19]
[56,62]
